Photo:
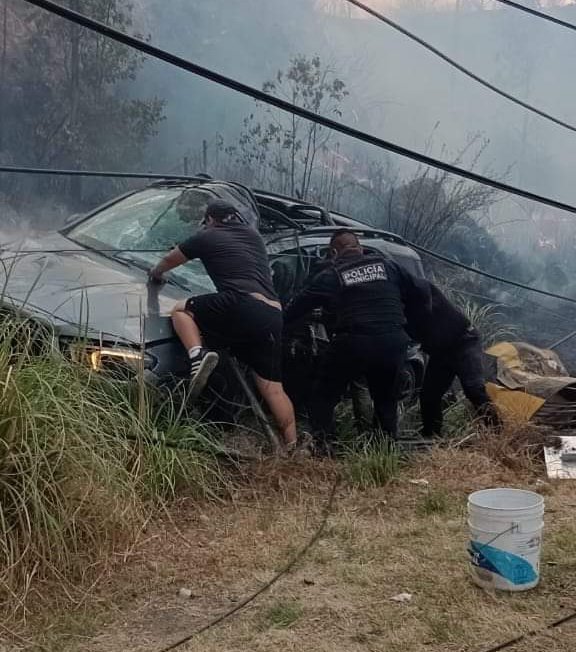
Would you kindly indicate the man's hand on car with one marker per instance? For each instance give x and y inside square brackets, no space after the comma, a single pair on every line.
[155,276]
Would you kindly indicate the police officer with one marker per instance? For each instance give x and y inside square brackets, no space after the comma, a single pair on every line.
[365,292]
[454,350]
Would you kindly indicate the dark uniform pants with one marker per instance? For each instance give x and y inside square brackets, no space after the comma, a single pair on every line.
[463,361]
[378,359]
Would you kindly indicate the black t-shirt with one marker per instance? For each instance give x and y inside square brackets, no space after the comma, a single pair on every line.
[234,256]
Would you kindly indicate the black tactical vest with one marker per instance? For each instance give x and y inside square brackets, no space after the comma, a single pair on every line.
[369,300]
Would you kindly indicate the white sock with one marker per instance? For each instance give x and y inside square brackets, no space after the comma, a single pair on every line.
[194,351]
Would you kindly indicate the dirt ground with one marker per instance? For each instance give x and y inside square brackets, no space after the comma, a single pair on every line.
[402,538]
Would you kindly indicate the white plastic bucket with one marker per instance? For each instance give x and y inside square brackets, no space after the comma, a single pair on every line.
[505,538]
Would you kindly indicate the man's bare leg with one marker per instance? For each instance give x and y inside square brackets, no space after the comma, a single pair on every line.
[202,362]
[281,407]
[185,326]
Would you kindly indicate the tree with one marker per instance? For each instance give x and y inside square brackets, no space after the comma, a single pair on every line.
[426,207]
[282,152]
[68,102]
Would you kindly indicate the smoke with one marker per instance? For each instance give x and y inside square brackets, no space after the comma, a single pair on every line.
[397,89]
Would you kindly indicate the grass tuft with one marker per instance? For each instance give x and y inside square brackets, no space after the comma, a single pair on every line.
[434,502]
[283,614]
[373,465]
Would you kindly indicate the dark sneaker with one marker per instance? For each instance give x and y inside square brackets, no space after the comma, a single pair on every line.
[201,366]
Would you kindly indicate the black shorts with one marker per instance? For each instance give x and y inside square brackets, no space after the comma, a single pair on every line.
[250,328]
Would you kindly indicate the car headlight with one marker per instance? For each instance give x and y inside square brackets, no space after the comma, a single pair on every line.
[112,359]
[104,358]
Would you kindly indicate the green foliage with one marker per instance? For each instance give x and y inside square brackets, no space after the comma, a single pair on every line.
[283,614]
[282,152]
[374,464]
[486,317]
[434,502]
[82,465]
[69,104]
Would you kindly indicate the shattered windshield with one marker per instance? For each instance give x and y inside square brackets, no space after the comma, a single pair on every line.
[141,228]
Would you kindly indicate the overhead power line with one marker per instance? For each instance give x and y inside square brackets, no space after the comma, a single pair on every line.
[105,174]
[428,252]
[538,14]
[283,105]
[494,277]
[495,89]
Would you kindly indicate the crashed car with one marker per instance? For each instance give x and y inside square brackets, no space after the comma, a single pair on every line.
[89,279]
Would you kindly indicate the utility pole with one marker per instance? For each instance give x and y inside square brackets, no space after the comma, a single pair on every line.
[205,156]
[75,182]
[3,57]
[456,45]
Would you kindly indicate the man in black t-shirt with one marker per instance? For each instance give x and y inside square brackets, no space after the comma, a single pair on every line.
[366,294]
[243,315]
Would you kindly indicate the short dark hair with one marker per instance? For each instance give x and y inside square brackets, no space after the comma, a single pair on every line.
[344,239]
[220,209]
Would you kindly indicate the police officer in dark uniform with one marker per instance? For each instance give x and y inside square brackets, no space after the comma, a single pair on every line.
[366,293]
[455,351]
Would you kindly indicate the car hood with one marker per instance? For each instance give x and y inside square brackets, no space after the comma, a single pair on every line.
[85,293]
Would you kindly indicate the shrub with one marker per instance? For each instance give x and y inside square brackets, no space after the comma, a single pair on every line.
[81,466]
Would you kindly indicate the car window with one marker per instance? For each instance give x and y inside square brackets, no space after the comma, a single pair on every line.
[292,268]
[153,218]
[147,224]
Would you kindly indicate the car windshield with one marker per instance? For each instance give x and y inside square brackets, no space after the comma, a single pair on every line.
[142,227]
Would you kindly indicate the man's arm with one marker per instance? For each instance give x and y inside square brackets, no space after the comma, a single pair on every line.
[173,259]
[319,293]
[181,254]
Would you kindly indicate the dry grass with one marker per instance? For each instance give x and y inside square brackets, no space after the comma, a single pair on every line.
[381,541]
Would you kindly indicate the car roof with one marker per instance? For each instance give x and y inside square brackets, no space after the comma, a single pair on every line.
[299,211]
[381,240]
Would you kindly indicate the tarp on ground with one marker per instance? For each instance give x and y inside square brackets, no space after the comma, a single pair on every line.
[529,383]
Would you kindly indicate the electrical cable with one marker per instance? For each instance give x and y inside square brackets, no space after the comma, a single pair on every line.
[523,637]
[495,89]
[286,106]
[494,277]
[424,250]
[283,571]
[13,169]
[538,14]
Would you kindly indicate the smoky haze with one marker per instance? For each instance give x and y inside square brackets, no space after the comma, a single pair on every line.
[398,90]
[395,90]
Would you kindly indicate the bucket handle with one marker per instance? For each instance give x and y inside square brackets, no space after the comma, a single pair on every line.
[514,527]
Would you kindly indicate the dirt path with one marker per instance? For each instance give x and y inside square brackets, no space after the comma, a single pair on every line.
[379,543]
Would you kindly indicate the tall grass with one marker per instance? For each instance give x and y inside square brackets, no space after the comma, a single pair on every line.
[373,463]
[81,465]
